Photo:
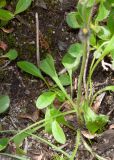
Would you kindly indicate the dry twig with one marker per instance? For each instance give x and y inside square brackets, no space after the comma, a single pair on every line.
[37,39]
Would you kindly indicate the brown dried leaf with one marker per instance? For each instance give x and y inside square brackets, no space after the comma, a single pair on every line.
[111,126]
[40,157]
[75,83]
[98,102]
[88,135]
[1,127]
[37,157]
[3,45]
[57,103]
[33,117]
[7,30]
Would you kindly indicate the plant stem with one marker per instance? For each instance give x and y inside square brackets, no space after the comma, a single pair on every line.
[50,144]
[81,73]
[14,156]
[40,123]
[82,76]
[37,40]
[85,70]
[105,53]
[89,83]
[80,80]
[78,138]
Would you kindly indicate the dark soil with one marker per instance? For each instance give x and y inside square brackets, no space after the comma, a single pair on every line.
[24,89]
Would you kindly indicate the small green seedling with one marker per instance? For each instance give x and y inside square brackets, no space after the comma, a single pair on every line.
[6,15]
[11,54]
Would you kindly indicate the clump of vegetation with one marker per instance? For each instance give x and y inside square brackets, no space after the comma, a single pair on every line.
[96,37]
[5,17]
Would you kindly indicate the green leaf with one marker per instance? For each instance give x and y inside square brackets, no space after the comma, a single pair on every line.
[79,20]
[90,3]
[20,136]
[20,151]
[84,11]
[109,88]
[97,53]
[55,112]
[4,103]
[93,121]
[96,28]
[112,54]
[110,21]
[48,120]
[3,23]
[92,40]
[87,3]
[22,5]
[103,13]
[47,66]
[58,133]
[75,50]
[71,20]
[11,54]
[65,79]
[111,1]
[110,46]
[6,15]
[59,119]
[30,68]
[98,1]
[2,3]
[70,63]
[50,113]
[45,100]
[18,139]
[3,143]
[60,95]
[104,33]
